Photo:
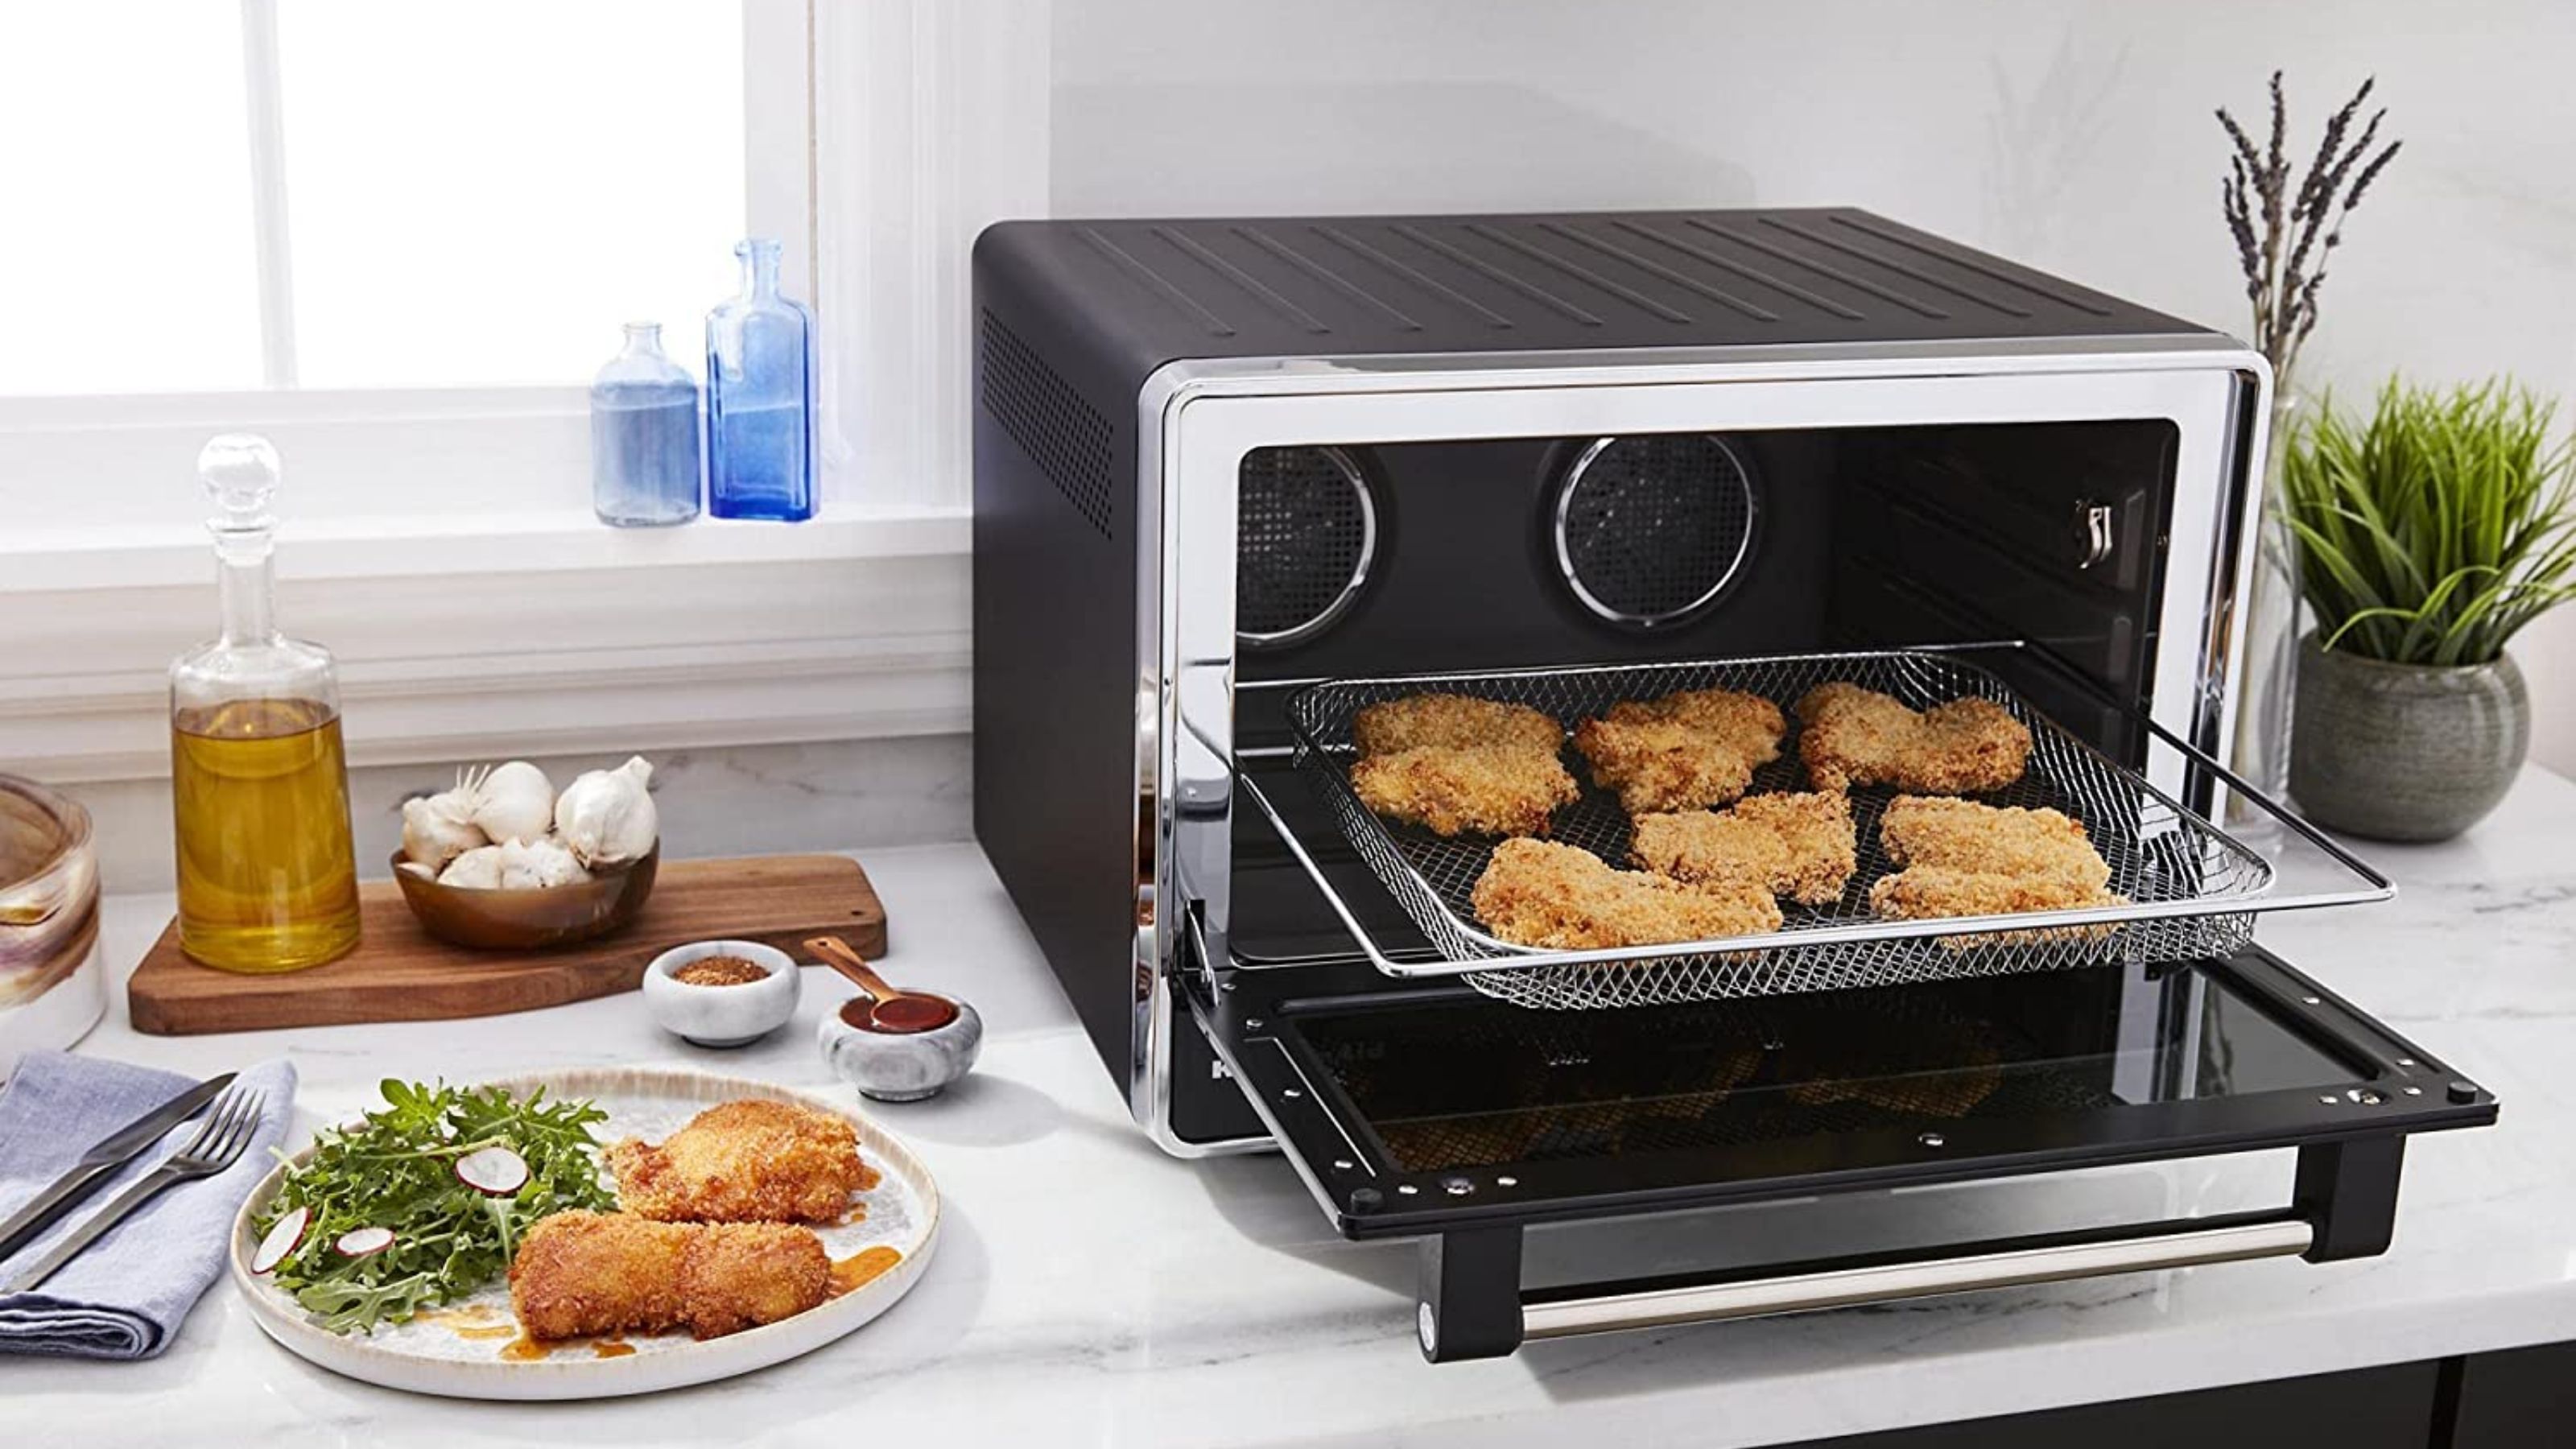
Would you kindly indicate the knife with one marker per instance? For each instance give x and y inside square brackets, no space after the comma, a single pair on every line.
[100,1162]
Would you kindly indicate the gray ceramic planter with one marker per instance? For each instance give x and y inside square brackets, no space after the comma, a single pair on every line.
[2404,751]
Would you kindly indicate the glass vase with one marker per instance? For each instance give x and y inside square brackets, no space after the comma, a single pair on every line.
[760,397]
[644,436]
[2260,752]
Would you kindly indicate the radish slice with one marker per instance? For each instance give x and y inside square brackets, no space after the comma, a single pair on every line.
[284,1237]
[359,1242]
[493,1171]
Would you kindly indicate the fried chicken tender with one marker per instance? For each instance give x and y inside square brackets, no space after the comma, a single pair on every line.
[1797,845]
[1464,790]
[1452,719]
[579,1273]
[1857,736]
[1539,893]
[742,1275]
[1936,830]
[744,1161]
[1961,858]
[1459,765]
[1684,751]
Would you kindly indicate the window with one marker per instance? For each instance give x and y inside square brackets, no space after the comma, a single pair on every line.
[308,193]
[399,238]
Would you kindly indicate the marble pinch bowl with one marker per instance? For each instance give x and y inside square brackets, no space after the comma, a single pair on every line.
[898,1066]
[722,1016]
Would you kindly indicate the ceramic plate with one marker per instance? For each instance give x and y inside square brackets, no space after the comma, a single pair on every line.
[459,1350]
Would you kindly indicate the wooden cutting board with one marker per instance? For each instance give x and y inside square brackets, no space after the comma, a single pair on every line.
[400,973]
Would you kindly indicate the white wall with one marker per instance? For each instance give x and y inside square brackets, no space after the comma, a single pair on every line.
[2074,136]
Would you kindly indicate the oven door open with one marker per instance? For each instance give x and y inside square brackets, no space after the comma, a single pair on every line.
[1436,1112]
[1422,1101]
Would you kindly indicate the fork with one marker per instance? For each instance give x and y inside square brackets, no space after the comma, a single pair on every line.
[219,1142]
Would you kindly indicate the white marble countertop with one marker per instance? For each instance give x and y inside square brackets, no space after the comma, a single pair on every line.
[1091,1290]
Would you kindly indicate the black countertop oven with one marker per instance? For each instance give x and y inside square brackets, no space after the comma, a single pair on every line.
[1235,479]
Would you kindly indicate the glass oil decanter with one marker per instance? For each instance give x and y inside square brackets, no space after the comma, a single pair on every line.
[760,397]
[268,877]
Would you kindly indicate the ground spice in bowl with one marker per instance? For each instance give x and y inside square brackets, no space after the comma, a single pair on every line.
[721,971]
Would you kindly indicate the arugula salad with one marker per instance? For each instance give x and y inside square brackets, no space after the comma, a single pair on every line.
[423,1201]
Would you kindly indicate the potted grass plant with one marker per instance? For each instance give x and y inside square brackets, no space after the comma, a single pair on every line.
[2430,534]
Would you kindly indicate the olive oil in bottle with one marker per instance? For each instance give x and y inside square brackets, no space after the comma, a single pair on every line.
[268,878]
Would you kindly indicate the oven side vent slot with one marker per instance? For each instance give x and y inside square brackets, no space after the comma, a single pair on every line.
[1065,436]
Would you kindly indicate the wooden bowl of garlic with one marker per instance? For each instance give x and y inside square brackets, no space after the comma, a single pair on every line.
[503,863]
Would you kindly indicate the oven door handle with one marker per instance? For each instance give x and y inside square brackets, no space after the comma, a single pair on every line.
[2343,1205]
[1571,1315]
[1472,1307]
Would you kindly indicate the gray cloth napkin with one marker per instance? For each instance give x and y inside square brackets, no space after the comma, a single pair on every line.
[123,1297]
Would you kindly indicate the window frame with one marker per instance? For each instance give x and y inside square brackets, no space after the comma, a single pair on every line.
[916,123]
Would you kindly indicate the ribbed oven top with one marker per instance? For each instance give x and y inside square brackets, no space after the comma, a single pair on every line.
[1356,286]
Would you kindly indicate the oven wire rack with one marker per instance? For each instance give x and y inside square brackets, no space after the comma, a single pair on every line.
[2190,888]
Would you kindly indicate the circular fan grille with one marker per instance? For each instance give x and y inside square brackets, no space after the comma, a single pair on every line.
[1650,530]
[1306,531]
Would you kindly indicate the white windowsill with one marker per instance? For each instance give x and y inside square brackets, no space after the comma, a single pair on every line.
[121,556]
[478,637]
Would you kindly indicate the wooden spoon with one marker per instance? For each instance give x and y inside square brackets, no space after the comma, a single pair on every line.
[891,1008]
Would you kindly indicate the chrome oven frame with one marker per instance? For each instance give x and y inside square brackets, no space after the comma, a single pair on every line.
[1196,420]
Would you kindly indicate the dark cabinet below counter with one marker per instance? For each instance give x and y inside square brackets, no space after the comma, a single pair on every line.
[2513,1399]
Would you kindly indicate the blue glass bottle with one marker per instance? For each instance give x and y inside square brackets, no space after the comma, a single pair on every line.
[760,397]
[644,436]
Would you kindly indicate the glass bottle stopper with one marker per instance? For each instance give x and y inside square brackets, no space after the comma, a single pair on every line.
[240,473]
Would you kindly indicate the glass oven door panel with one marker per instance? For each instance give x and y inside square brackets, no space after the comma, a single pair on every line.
[1417,1110]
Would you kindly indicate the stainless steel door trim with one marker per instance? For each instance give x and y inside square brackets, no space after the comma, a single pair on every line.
[1176,381]
[1163,401]
[2199,404]
[1898,1282]
[2231,588]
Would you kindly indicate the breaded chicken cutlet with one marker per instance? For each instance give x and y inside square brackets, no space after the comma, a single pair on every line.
[1855,736]
[1456,720]
[1562,897]
[1471,790]
[1961,858]
[745,1161]
[1796,845]
[1684,751]
[580,1273]
[1457,765]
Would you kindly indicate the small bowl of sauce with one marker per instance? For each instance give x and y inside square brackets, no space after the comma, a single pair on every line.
[901,1050]
[722,993]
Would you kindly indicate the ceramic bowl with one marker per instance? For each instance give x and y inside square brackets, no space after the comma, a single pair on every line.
[900,1067]
[531,920]
[722,1016]
[52,984]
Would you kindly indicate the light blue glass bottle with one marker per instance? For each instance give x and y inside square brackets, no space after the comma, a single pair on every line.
[644,436]
[760,397]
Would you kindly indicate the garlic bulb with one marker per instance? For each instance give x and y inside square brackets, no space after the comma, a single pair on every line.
[516,802]
[606,816]
[438,828]
[537,864]
[478,869]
